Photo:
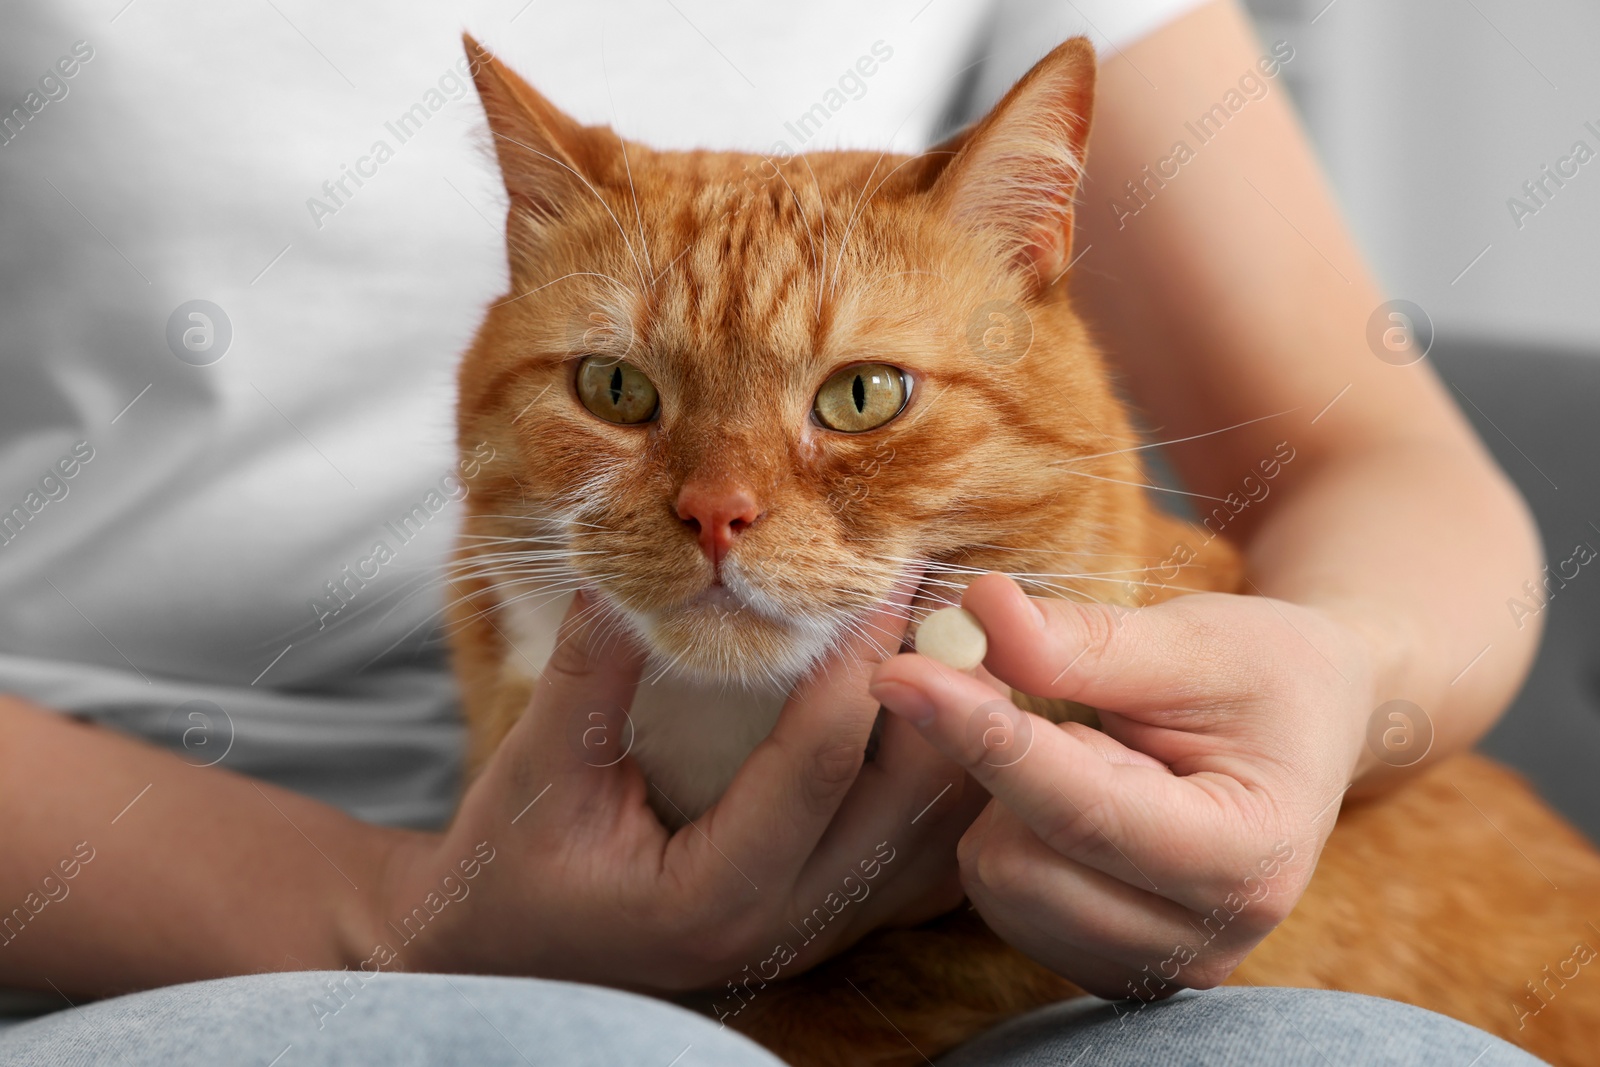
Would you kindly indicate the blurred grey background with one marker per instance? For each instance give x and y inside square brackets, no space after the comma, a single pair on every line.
[1429,116]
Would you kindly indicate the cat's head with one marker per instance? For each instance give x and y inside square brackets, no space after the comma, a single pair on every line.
[742,397]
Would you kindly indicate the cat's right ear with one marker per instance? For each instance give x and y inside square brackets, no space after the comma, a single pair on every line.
[1015,173]
[544,154]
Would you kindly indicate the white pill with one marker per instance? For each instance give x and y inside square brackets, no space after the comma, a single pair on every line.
[954,637]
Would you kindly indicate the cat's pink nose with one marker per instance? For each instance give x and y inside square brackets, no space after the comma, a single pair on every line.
[717,512]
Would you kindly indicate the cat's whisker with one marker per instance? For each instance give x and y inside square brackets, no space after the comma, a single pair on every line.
[524,559]
[427,620]
[962,568]
[579,621]
[913,159]
[850,221]
[564,277]
[1116,581]
[822,217]
[495,586]
[520,539]
[1061,552]
[586,184]
[1175,441]
[391,647]
[547,520]
[1144,485]
[538,584]
[496,546]
[838,262]
[851,627]
[633,191]
[665,668]
[1051,582]
[482,568]
[536,670]
[861,626]
[526,574]
[529,555]
[488,570]
[532,561]
[488,614]
[615,629]
[605,74]
[931,585]
[552,587]
[933,565]
[1019,575]
[592,609]
[544,594]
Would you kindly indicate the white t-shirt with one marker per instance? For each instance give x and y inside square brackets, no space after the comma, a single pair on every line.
[179,481]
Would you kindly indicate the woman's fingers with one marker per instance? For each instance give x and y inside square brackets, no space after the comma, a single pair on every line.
[1090,800]
[784,796]
[907,791]
[910,799]
[575,729]
[1100,929]
[1170,655]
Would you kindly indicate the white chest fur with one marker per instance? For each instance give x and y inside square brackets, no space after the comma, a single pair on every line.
[688,739]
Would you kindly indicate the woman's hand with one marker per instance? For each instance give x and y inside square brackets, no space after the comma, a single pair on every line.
[585,882]
[1156,854]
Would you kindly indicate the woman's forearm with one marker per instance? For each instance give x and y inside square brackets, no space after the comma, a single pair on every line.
[1238,307]
[123,867]
[1418,547]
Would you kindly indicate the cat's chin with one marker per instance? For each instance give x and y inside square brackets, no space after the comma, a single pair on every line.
[717,639]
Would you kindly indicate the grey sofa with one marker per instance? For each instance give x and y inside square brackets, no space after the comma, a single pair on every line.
[1537,409]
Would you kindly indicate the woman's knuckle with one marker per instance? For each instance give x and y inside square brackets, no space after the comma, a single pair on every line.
[1211,970]
[1096,631]
[832,769]
[1275,908]
[967,852]
[1078,830]
[1004,872]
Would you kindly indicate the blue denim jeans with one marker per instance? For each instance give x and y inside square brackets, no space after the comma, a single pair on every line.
[338,1019]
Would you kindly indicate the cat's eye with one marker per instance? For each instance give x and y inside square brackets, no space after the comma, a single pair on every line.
[862,397]
[616,390]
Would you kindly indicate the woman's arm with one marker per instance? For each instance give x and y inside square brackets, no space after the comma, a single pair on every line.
[124,867]
[1233,292]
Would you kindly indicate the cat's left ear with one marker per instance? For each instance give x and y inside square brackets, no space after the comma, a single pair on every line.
[546,158]
[1018,169]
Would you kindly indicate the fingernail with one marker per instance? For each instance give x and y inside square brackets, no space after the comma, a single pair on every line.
[1033,606]
[904,701]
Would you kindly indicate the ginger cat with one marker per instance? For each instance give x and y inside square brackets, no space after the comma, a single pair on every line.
[740,396]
